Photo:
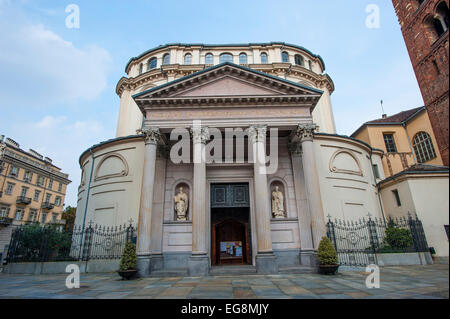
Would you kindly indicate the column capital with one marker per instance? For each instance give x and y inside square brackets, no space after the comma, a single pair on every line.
[199,134]
[295,148]
[306,131]
[151,135]
[257,133]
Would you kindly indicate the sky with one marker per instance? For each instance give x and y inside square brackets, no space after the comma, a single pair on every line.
[57,84]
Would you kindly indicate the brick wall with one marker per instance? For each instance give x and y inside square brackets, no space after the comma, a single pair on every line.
[429,57]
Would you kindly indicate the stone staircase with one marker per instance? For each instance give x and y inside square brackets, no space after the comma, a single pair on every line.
[182,272]
[238,270]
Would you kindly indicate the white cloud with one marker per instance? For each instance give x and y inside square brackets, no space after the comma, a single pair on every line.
[40,68]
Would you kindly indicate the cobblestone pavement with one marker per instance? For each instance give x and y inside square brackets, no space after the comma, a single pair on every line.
[401,282]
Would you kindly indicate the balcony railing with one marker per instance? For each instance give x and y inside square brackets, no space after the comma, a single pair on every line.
[23,200]
[48,205]
[5,221]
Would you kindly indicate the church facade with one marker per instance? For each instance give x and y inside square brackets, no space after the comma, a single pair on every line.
[227,155]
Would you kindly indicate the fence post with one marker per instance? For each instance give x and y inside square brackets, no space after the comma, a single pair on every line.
[373,234]
[331,233]
[87,242]
[418,234]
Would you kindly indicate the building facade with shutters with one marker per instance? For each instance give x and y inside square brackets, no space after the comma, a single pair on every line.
[32,189]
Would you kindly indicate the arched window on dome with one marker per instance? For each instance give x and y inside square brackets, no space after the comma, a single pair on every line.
[188,58]
[442,14]
[209,58]
[243,58]
[423,147]
[151,64]
[299,60]
[285,57]
[166,59]
[264,58]
[226,57]
[141,68]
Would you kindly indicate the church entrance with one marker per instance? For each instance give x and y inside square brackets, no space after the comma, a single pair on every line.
[230,224]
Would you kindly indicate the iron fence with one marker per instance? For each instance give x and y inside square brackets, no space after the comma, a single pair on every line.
[36,243]
[357,243]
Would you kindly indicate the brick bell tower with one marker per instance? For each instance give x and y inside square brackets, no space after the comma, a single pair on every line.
[425,25]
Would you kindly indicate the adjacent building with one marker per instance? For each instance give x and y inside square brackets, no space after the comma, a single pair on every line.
[425,25]
[407,138]
[32,189]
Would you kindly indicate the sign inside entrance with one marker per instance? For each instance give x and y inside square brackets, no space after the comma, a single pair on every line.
[230,249]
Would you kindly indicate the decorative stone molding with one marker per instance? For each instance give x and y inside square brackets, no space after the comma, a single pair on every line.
[335,169]
[257,133]
[123,172]
[200,135]
[151,135]
[306,131]
[295,148]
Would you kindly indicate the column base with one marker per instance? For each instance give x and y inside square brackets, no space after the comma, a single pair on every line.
[198,265]
[144,265]
[309,258]
[266,263]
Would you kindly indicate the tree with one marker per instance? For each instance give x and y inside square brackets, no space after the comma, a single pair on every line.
[68,215]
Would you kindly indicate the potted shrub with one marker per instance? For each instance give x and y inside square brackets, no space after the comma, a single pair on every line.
[128,263]
[328,259]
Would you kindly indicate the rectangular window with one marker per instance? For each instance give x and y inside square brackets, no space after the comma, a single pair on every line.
[60,187]
[43,217]
[36,195]
[9,188]
[14,171]
[54,218]
[376,172]
[32,215]
[397,197]
[28,176]
[58,201]
[390,143]
[40,180]
[50,184]
[47,198]
[24,191]
[19,214]
[446,230]
[4,211]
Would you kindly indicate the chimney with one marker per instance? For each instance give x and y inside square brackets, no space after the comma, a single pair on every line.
[11,142]
[33,152]
[384,116]
[2,137]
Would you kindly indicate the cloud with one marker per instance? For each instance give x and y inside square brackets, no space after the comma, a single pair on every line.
[40,68]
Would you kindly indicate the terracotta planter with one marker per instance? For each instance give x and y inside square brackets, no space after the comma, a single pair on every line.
[328,269]
[127,274]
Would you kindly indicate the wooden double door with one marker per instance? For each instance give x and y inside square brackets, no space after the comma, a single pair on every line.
[230,215]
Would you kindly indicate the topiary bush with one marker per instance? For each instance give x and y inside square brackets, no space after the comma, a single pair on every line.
[326,253]
[129,258]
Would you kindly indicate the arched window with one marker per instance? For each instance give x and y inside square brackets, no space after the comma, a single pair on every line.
[423,147]
[264,58]
[151,64]
[209,58]
[226,57]
[285,57]
[242,58]
[166,59]
[298,59]
[188,58]
[442,14]
[141,68]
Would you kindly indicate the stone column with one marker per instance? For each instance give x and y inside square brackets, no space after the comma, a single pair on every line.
[143,249]
[157,261]
[265,259]
[307,254]
[199,263]
[305,133]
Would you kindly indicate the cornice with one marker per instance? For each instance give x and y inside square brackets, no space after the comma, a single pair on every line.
[178,71]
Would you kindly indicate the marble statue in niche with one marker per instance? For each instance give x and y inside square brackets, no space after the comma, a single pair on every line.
[277,203]
[181,205]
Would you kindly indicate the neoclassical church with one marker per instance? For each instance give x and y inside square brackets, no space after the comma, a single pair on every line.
[227,155]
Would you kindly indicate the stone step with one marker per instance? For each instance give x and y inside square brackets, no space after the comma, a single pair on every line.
[170,273]
[232,270]
[297,270]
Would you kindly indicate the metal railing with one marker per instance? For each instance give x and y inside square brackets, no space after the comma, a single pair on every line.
[357,243]
[43,243]
[23,200]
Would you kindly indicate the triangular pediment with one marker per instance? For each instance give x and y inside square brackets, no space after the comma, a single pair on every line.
[227,85]
[227,80]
